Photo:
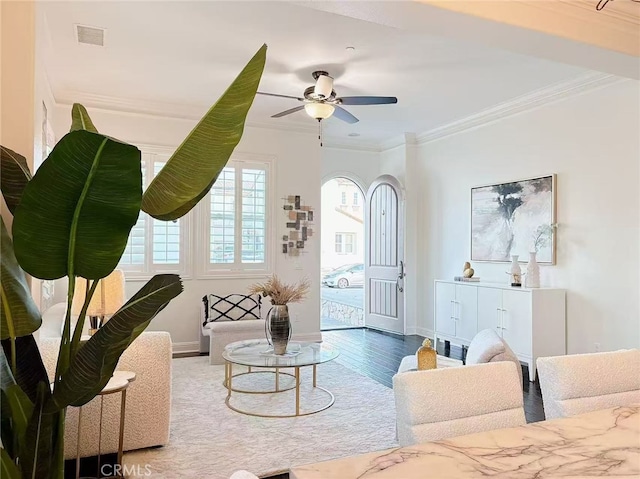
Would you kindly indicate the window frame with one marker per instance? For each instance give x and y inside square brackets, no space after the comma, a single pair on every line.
[207,270]
[150,156]
[343,243]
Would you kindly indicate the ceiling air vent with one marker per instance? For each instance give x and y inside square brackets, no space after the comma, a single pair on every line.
[90,35]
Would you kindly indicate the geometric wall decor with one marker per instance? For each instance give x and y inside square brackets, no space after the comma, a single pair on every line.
[299,219]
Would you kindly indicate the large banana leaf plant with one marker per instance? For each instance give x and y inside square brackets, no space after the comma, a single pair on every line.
[72,219]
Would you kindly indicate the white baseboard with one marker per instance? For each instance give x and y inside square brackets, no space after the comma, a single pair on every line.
[308,337]
[188,347]
[424,332]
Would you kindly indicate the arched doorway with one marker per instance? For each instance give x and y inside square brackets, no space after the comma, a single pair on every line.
[342,257]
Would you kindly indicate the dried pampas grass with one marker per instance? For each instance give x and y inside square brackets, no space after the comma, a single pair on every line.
[281,293]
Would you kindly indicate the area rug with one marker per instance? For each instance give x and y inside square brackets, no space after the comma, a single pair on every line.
[209,440]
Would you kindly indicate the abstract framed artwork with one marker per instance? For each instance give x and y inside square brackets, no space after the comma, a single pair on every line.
[514,218]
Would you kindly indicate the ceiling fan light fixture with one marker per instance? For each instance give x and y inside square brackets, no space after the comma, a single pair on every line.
[319,111]
[324,86]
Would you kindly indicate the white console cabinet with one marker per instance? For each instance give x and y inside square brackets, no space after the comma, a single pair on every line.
[531,320]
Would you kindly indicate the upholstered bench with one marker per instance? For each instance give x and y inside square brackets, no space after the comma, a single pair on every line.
[226,319]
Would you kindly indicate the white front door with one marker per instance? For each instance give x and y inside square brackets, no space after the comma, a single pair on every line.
[384,261]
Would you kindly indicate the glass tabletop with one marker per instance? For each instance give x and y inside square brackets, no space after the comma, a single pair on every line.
[258,353]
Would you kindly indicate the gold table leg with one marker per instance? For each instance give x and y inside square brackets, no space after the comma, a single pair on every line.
[297,391]
[277,379]
[100,434]
[78,444]
[315,375]
[123,410]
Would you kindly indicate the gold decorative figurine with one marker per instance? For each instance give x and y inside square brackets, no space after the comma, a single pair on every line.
[467,270]
[426,356]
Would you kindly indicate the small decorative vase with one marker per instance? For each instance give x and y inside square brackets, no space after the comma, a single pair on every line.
[532,278]
[279,328]
[516,271]
[427,358]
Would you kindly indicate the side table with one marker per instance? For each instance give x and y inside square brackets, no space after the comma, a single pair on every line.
[118,383]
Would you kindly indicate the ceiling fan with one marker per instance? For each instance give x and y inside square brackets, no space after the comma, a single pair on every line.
[321,101]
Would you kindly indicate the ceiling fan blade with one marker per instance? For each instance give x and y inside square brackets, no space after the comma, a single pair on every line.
[280,96]
[344,115]
[288,112]
[367,100]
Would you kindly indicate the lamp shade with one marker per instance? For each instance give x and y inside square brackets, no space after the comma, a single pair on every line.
[324,86]
[319,111]
[107,299]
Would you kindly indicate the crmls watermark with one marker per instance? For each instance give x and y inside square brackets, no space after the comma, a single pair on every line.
[133,470]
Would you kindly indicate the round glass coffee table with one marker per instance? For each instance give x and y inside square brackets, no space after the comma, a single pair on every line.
[257,353]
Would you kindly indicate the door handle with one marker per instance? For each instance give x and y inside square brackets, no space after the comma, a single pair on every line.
[400,279]
[503,312]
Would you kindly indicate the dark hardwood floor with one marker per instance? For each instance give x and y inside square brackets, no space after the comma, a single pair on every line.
[378,355]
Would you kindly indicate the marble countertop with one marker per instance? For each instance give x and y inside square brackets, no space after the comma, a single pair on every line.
[602,443]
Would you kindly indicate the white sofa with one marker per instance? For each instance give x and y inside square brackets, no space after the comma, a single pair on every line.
[148,405]
[581,383]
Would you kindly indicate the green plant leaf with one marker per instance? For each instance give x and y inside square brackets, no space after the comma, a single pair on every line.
[195,165]
[9,439]
[19,315]
[9,468]
[41,441]
[14,176]
[80,119]
[30,370]
[76,213]
[96,359]
[21,409]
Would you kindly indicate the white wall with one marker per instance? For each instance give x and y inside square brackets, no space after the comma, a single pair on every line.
[592,143]
[361,166]
[297,172]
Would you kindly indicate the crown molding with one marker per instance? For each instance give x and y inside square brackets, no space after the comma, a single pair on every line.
[160,109]
[550,94]
[530,101]
[334,143]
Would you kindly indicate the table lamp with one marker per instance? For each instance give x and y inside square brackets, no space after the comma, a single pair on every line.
[107,299]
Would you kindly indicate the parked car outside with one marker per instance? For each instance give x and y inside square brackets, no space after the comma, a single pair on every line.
[345,276]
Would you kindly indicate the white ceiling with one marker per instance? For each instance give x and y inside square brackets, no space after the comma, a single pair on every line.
[180,56]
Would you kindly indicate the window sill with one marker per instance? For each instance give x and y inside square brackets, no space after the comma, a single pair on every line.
[234,275]
[144,277]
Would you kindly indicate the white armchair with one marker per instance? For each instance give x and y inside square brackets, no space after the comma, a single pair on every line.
[580,383]
[148,407]
[441,403]
[485,347]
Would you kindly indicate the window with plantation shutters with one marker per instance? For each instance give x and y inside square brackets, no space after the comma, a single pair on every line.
[225,234]
[237,218]
[155,246]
